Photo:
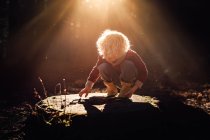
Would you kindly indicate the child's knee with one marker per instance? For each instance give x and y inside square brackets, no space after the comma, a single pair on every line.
[128,71]
[104,67]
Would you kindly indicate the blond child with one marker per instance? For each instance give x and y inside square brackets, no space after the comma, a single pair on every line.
[117,65]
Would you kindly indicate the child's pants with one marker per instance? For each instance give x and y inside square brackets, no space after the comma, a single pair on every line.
[128,72]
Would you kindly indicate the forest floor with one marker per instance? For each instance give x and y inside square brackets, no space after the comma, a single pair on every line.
[183,112]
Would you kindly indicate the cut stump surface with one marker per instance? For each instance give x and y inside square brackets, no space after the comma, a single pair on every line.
[95,103]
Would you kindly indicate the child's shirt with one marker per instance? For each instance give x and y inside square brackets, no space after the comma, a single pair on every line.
[131,56]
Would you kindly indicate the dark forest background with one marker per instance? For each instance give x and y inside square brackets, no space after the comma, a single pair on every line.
[22,63]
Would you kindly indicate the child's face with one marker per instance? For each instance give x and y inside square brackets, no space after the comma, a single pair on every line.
[113,58]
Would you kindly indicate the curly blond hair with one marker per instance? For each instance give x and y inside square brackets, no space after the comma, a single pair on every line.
[112,44]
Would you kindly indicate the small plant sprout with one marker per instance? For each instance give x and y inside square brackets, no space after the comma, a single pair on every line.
[58,85]
[44,89]
[59,92]
[64,86]
[36,95]
[64,90]
[53,109]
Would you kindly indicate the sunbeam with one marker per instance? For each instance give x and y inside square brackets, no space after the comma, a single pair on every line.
[67,31]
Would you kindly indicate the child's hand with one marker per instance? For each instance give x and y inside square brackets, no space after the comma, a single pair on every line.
[85,91]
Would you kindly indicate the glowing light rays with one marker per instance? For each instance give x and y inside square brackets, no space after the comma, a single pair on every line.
[76,23]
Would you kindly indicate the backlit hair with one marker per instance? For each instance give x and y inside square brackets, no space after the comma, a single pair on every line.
[112,43]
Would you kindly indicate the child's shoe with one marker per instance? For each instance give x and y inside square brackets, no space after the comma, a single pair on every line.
[111,89]
[124,89]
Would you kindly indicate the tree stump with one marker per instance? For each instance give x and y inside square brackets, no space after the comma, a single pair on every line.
[63,108]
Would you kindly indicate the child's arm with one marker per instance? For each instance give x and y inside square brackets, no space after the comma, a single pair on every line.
[92,78]
[141,67]
[85,91]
